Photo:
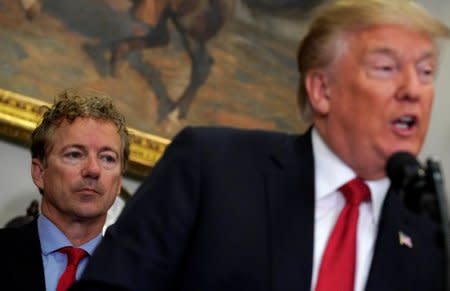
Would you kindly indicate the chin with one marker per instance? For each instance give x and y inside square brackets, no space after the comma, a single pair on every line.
[412,149]
[88,213]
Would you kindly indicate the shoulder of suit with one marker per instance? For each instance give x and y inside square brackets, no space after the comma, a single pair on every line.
[14,234]
[227,135]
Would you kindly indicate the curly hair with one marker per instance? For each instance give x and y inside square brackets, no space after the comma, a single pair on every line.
[68,106]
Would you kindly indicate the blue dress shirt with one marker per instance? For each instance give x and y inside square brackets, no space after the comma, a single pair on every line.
[52,239]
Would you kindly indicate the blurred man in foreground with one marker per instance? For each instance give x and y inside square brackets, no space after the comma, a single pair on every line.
[228,209]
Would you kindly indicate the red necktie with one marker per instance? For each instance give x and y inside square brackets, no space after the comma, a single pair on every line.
[74,256]
[337,270]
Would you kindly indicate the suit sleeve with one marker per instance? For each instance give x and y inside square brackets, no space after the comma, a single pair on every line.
[143,249]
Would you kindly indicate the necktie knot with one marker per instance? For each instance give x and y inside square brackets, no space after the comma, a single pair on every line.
[355,191]
[74,255]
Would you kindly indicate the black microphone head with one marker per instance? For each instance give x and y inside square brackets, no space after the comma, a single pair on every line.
[402,168]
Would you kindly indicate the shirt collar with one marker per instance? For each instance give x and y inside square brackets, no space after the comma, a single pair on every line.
[52,238]
[331,173]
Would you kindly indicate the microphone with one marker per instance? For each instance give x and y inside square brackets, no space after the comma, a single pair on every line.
[403,169]
[422,190]
[411,180]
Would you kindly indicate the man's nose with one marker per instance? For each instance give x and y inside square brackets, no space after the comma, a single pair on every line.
[411,85]
[91,167]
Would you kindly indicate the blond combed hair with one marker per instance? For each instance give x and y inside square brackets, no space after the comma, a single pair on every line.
[70,105]
[333,20]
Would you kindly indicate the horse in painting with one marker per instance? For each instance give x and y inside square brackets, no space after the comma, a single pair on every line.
[196,21]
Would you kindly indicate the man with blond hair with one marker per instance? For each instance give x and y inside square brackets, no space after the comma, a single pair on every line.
[229,209]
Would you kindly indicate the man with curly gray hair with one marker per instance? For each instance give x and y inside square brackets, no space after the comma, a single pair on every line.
[79,152]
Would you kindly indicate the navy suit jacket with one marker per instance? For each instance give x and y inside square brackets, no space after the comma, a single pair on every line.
[21,267]
[228,209]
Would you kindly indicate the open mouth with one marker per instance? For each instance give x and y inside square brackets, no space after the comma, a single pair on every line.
[405,122]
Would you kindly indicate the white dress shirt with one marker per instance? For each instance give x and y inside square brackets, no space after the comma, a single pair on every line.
[330,174]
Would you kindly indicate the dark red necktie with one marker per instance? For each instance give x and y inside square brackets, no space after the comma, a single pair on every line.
[337,270]
[74,256]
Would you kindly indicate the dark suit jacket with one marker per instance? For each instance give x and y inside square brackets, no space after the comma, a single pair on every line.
[21,267]
[233,210]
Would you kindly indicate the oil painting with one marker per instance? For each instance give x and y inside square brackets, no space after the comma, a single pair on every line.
[167,63]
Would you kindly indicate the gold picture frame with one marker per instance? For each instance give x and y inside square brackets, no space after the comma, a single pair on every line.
[20,114]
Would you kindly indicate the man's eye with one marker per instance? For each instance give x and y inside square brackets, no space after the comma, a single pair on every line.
[426,75]
[108,159]
[73,155]
[382,71]
[385,68]
[381,65]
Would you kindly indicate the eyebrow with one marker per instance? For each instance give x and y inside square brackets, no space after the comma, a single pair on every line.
[391,52]
[83,148]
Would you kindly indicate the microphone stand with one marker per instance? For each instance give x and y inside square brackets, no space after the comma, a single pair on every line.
[437,187]
[421,188]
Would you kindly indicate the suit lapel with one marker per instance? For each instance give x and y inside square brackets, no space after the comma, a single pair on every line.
[30,274]
[290,190]
[389,265]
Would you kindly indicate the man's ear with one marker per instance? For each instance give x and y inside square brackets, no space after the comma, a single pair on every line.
[316,83]
[37,173]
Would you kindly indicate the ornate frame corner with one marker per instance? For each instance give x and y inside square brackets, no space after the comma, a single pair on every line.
[20,114]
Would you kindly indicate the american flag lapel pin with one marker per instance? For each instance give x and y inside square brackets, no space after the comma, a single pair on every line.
[405,240]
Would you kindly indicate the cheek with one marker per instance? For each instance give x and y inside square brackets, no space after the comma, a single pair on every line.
[426,120]
[52,178]
[61,178]
[429,100]
[114,183]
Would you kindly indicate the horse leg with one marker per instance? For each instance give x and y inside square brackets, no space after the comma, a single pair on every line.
[200,69]
[201,63]
[153,77]
[157,36]
[195,33]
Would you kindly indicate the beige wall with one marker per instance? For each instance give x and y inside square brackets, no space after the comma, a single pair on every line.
[438,141]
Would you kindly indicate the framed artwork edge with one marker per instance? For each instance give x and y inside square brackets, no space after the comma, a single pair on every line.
[20,114]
